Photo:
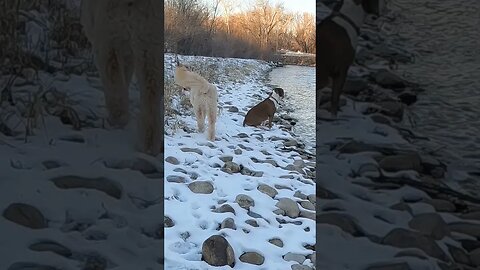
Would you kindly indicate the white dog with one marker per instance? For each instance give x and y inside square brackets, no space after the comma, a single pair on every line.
[203,96]
[126,38]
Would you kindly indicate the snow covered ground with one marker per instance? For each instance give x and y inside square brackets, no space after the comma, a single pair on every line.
[256,172]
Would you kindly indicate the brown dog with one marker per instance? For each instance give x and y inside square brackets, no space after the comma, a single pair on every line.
[337,40]
[263,112]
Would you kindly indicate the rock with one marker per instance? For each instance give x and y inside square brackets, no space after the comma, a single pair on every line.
[300,267]
[312,198]
[231,167]
[168,222]
[25,215]
[266,189]
[469,244]
[416,253]
[465,228]
[459,255]
[52,164]
[290,143]
[353,86]
[289,206]
[472,215]
[300,195]
[401,162]
[431,224]
[102,184]
[225,208]
[403,238]
[228,223]
[176,179]
[216,251]
[475,257]
[387,79]
[252,258]
[191,150]
[324,193]
[276,241]
[244,201]
[95,261]
[307,205]
[233,109]
[237,151]
[172,160]
[294,257]
[251,222]
[441,205]
[226,158]
[378,118]
[408,98]
[392,108]
[401,206]
[242,135]
[51,246]
[389,266]
[343,221]
[308,214]
[201,187]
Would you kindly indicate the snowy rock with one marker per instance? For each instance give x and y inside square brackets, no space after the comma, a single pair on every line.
[441,205]
[226,158]
[431,224]
[224,209]
[343,221]
[104,185]
[466,228]
[289,206]
[172,160]
[459,255]
[300,267]
[228,223]
[294,257]
[276,241]
[308,214]
[401,162]
[403,238]
[201,187]
[244,201]
[168,222]
[51,246]
[252,258]
[266,189]
[251,222]
[216,251]
[25,215]
[475,257]
[392,108]
[176,179]
[307,205]
[191,150]
[387,79]
[231,167]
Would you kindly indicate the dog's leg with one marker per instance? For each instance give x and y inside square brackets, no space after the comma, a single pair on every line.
[200,114]
[322,82]
[338,82]
[148,63]
[270,121]
[111,66]
[212,121]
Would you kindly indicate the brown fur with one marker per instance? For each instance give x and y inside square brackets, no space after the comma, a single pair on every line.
[264,111]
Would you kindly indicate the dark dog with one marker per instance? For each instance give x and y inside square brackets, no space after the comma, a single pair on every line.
[263,112]
[337,40]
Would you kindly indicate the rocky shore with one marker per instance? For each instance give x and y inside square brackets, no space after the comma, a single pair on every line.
[246,200]
[382,200]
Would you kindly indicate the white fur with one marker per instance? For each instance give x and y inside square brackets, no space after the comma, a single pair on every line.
[126,40]
[203,97]
[355,13]
[276,99]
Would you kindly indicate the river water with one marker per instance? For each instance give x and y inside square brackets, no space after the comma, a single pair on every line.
[445,37]
[298,83]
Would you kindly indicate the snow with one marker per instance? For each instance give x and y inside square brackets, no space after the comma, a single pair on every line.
[192,212]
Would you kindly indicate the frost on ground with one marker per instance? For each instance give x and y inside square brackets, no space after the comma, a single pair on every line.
[383,202]
[252,186]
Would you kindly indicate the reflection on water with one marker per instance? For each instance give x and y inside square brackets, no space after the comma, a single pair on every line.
[445,35]
[299,85]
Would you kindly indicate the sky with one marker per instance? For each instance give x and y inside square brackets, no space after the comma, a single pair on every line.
[290,5]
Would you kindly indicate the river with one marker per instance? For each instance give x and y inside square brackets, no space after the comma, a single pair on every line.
[445,37]
[299,85]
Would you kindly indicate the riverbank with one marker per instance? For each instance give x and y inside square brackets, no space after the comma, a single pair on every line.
[382,200]
[253,187]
